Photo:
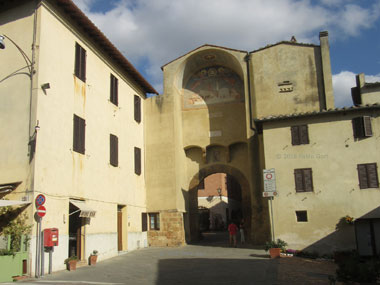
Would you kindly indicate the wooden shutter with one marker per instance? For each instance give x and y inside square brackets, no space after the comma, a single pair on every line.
[362,173]
[295,135]
[357,125]
[137,161]
[367,126]
[137,104]
[80,62]
[298,178]
[114,98]
[144,222]
[114,150]
[372,175]
[304,134]
[308,179]
[79,138]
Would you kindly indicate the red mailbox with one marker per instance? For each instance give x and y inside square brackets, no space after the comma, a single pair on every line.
[51,237]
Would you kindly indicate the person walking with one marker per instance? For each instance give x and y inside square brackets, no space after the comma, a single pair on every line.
[241,228]
[232,229]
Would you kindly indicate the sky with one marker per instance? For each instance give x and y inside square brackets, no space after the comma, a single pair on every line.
[151,33]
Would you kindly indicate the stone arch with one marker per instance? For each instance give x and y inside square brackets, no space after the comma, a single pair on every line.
[193,195]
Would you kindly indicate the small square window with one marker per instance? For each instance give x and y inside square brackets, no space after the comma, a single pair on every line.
[301,216]
[154,221]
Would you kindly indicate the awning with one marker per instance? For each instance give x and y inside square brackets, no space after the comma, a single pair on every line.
[85,211]
[5,203]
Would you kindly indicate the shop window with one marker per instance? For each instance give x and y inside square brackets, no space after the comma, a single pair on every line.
[80,62]
[154,221]
[303,180]
[300,135]
[368,175]
[301,216]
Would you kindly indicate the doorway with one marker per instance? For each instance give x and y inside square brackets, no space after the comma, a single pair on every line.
[76,232]
[120,227]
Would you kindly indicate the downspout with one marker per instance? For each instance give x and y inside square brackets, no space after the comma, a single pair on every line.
[247,59]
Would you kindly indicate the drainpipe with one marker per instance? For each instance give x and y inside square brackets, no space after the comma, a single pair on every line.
[247,59]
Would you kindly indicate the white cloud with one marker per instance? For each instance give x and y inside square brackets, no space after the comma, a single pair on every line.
[156,32]
[342,84]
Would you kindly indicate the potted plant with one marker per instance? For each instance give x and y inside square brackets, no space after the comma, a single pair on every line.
[71,263]
[93,257]
[275,247]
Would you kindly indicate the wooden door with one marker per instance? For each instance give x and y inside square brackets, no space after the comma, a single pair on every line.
[119,230]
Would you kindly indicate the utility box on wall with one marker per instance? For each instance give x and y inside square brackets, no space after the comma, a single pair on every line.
[51,237]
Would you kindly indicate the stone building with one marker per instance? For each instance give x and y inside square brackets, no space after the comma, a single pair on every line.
[70,102]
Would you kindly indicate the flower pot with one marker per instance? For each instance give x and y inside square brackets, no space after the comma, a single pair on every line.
[71,265]
[93,259]
[274,252]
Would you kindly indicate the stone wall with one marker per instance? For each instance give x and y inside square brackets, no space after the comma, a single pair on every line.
[171,231]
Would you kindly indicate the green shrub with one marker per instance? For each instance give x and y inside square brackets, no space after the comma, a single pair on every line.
[6,252]
[276,244]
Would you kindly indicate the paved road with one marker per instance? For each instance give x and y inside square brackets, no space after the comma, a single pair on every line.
[210,262]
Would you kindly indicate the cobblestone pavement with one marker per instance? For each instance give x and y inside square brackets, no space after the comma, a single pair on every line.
[209,262]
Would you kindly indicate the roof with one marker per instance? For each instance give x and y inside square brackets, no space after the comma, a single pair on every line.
[371,84]
[202,46]
[287,43]
[103,43]
[316,113]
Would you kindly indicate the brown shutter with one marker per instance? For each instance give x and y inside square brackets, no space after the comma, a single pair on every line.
[144,222]
[295,135]
[114,90]
[137,161]
[298,178]
[362,173]
[80,62]
[83,64]
[114,150]
[372,175]
[77,60]
[79,134]
[367,126]
[137,103]
[304,134]
[308,178]
[357,124]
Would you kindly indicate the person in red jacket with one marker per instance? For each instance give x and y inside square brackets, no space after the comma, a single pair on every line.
[232,229]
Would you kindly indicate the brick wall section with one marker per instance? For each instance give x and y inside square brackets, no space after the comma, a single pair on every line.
[171,231]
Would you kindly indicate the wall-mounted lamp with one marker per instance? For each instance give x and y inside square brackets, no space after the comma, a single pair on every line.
[2,44]
[220,193]
[45,86]
[37,127]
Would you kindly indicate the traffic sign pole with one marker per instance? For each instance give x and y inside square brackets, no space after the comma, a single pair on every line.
[41,211]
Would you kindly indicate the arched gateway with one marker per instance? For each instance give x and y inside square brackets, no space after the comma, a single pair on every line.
[201,125]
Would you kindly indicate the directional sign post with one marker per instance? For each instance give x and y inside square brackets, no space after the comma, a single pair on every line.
[270,191]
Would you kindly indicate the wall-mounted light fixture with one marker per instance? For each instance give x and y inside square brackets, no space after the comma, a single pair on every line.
[219,192]
[37,127]
[45,86]
[2,44]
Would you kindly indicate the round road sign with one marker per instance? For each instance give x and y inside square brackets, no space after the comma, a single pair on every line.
[40,200]
[41,211]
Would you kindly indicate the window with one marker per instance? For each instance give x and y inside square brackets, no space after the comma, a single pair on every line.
[79,134]
[368,175]
[362,127]
[144,222]
[137,104]
[114,90]
[80,62]
[154,221]
[137,161]
[114,150]
[300,135]
[301,216]
[303,179]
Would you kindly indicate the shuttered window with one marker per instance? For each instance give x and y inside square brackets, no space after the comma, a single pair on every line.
[368,175]
[303,180]
[301,216]
[144,222]
[137,161]
[300,135]
[154,221]
[80,62]
[362,127]
[79,136]
[114,90]
[137,104]
[114,150]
